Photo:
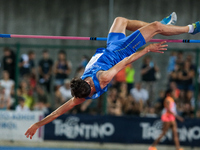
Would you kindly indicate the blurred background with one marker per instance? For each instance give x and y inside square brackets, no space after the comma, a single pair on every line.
[35,76]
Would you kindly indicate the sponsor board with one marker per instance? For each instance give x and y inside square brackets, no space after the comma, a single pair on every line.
[119,129]
[13,125]
[185,134]
[71,128]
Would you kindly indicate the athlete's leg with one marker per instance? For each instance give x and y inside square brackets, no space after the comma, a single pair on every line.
[166,126]
[156,27]
[175,134]
[120,25]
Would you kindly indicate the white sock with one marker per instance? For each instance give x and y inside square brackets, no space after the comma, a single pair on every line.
[191,28]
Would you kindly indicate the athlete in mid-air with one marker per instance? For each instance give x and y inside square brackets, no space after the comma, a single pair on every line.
[120,51]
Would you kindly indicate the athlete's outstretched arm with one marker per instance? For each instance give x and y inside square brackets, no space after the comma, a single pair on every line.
[61,110]
[109,74]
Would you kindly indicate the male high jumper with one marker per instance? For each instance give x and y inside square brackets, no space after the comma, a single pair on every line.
[120,51]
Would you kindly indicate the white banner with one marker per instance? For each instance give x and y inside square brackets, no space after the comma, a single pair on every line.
[13,125]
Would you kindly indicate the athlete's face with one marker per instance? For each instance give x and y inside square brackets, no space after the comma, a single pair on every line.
[89,84]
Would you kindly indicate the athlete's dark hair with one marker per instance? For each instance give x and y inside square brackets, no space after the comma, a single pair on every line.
[80,88]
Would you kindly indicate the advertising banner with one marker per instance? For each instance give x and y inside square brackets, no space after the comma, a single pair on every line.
[119,129]
[13,125]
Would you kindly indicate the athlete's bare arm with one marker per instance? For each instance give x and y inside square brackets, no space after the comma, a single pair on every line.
[107,76]
[61,110]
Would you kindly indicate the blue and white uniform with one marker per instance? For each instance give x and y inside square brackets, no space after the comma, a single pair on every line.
[118,47]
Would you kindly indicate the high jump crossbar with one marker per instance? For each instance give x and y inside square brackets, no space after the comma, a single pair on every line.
[89,38]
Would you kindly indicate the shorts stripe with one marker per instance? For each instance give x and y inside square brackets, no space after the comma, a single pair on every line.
[129,43]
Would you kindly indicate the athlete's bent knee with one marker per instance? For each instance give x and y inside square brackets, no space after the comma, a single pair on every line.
[157,26]
[120,20]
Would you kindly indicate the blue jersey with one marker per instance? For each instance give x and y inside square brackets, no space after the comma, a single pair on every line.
[118,47]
